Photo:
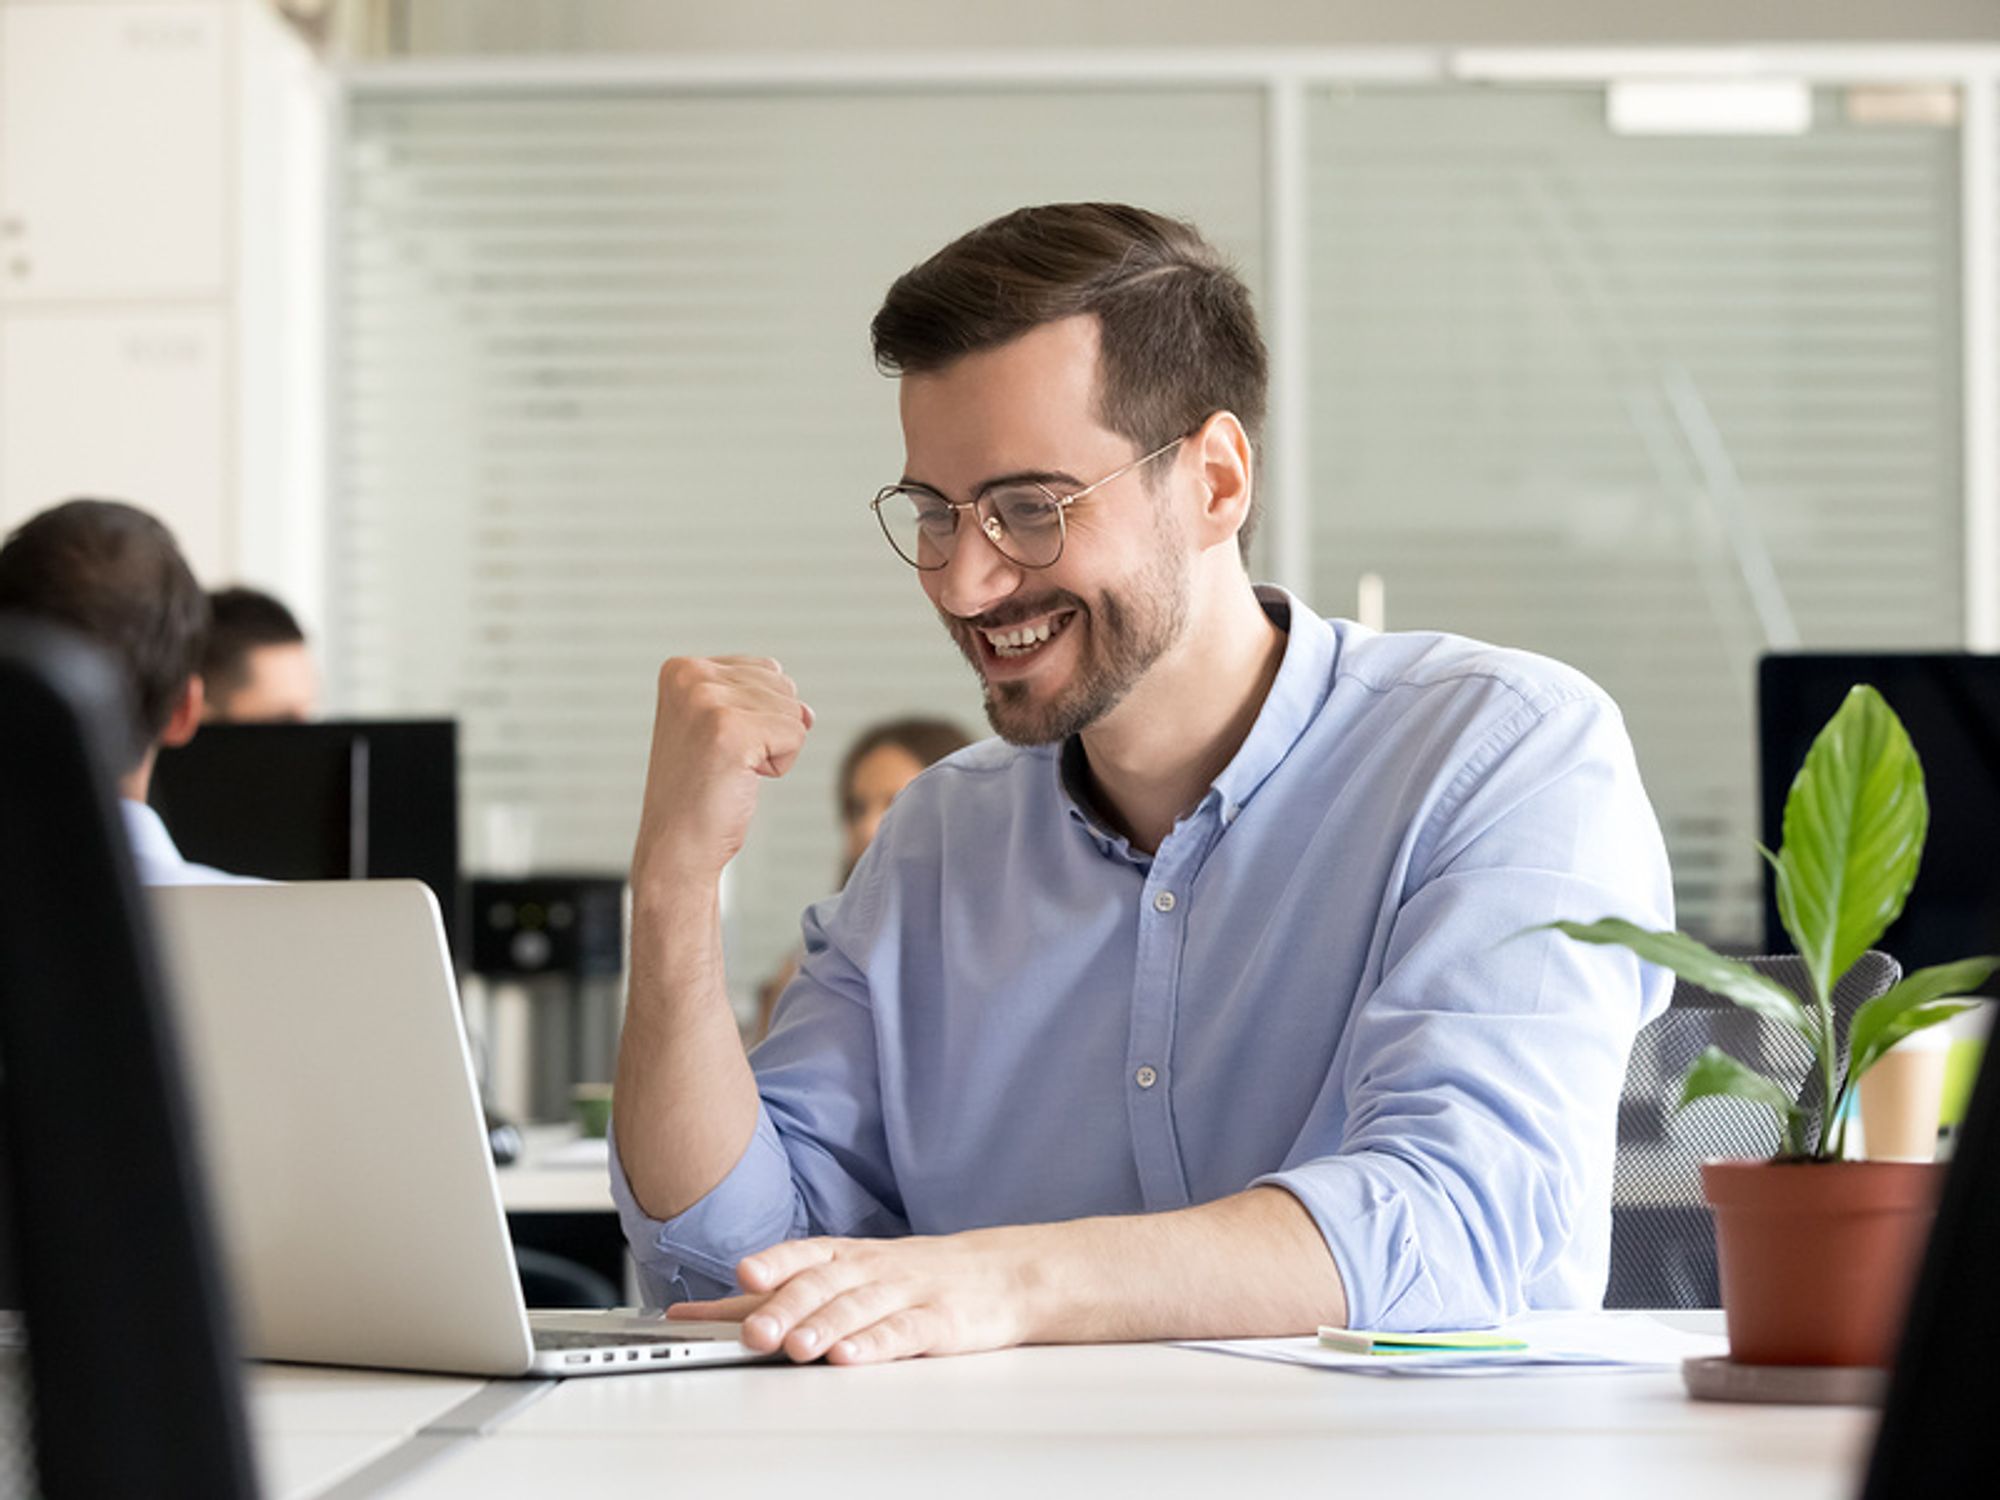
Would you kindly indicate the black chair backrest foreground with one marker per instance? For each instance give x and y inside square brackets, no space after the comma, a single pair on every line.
[1934,1438]
[1662,1234]
[121,1375]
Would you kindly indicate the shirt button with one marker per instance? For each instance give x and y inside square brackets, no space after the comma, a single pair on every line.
[1145,1078]
[1164,901]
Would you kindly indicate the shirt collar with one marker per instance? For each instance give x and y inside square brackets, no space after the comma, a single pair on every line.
[1305,676]
[148,835]
[1071,779]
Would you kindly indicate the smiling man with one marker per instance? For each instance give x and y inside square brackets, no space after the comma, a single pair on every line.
[1192,1006]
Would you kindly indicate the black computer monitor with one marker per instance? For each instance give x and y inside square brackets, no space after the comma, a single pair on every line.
[1950,704]
[345,800]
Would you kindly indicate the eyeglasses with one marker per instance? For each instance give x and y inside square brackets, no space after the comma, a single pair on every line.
[1024,520]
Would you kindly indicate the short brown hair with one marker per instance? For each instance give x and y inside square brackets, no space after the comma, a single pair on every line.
[113,573]
[1177,334]
[239,621]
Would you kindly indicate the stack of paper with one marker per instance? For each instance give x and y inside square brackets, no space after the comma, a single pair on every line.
[1546,1344]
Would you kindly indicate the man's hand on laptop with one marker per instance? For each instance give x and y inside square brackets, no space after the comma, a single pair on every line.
[857,1302]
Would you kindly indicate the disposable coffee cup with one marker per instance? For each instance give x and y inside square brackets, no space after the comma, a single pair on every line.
[1900,1099]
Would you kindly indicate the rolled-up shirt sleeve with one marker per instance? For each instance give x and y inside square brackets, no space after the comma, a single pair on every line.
[1465,1139]
[817,1162]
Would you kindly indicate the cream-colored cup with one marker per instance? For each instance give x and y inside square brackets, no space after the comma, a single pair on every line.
[1900,1098]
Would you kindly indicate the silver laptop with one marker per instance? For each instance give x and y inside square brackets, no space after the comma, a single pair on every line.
[347,1151]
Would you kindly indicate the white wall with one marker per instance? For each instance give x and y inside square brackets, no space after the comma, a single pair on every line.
[162,211]
[283,100]
[444,27]
[114,282]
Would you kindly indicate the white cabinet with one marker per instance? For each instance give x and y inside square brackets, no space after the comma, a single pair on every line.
[122,405]
[115,248]
[161,253]
[113,151]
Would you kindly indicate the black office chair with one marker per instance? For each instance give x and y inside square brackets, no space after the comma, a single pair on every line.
[1662,1234]
[549,1280]
[122,1378]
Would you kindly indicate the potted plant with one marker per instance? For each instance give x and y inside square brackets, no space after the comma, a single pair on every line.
[1818,1253]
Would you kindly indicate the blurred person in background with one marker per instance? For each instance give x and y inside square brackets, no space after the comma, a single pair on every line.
[883,759]
[257,668]
[113,574]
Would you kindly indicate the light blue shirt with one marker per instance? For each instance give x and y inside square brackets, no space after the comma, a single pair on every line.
[1318,981]
[157,859]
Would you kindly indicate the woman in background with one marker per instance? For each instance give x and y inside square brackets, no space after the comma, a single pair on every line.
[883,760]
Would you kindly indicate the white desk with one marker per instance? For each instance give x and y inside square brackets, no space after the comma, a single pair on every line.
[1134,1419]
[561,1173]
[316,1426]
[557,1173]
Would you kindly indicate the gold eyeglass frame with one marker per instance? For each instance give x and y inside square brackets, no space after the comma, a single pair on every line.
[991,526]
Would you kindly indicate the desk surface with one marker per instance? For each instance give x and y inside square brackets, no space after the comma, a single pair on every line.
[1128,1419]
[316,1426]
[558,1173]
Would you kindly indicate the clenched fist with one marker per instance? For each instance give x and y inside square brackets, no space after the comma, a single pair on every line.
[722,724]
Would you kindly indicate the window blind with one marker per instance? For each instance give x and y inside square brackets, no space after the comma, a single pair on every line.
[606,396]
[1644,404]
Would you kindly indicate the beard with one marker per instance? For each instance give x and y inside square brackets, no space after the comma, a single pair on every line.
[1130,627]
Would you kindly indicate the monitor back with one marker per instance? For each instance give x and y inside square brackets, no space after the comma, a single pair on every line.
[357,799]
[1950,704]
[1934,1439]
[129,1384]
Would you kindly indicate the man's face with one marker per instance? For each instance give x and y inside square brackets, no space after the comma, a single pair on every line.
[1057,648]
[280,685]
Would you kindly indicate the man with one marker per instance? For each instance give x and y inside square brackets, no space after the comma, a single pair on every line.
[112,573]
[256,669]
[1199,1005]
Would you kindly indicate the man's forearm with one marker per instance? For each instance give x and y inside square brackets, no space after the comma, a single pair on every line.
[1247,1266]
[1253,1265]
[685,1102]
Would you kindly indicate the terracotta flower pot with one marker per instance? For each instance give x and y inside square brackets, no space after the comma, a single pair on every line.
[1818,1258]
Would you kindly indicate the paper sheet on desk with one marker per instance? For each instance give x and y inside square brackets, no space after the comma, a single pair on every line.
[586,1151]
[1558,1344]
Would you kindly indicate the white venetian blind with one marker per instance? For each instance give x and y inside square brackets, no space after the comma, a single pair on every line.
[1637,403]
[606,396]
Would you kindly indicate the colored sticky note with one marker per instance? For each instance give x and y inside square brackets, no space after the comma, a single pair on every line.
[1371,1341]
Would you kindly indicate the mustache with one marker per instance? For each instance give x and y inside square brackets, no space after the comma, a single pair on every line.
[1014,612]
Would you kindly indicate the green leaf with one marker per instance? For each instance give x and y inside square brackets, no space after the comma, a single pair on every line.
[1699,964]
[1716,1074]
[1855,820]
[1781,885]
[1918,1001]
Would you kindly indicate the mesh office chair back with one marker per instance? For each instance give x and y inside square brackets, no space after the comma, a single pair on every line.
[128,1383]
[1662,1234]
